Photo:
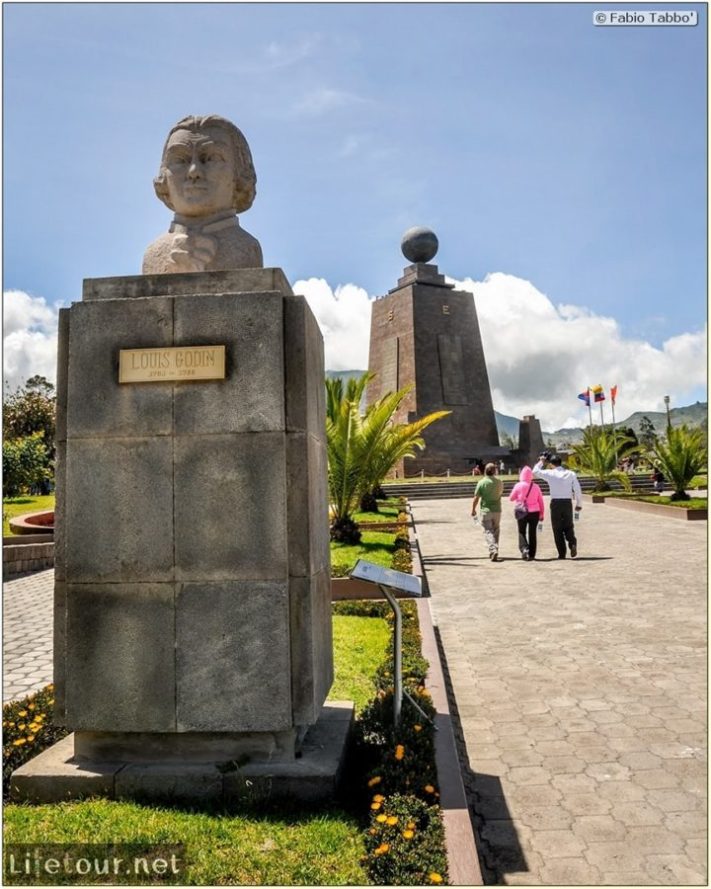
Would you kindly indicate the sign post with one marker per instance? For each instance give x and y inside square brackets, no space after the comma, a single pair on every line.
[387,580]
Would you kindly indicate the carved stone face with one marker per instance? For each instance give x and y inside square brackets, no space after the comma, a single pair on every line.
[199,171]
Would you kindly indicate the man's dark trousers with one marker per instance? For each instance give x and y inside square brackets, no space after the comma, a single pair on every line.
[562,522]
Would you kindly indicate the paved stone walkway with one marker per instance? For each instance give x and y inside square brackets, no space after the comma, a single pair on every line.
[581,691]
[27,634]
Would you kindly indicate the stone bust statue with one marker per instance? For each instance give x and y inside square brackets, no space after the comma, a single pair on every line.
[206,177]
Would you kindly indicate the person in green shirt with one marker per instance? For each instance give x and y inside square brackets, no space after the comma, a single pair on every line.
[488,492]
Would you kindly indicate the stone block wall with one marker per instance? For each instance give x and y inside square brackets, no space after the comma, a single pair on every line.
[192,562]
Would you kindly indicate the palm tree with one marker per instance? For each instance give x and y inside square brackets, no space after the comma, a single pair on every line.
[680,457]
[598,454]
[363,448]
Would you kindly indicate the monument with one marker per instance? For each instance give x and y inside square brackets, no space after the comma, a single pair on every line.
[426,333]
[530,441]
[193,647]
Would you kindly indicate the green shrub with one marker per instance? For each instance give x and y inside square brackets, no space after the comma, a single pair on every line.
[27,731]
[402,561]
[25,463]
[402,539]
[405,843]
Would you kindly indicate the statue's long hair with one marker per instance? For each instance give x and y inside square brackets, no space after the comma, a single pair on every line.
[245,177]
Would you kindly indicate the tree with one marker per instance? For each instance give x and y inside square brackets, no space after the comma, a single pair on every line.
[25,463]
[598,454]
[680,457]
[29,412]
[647,433]
[363,448]
[31,409]
[39,383]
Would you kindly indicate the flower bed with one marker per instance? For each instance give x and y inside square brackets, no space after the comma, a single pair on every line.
[393,773]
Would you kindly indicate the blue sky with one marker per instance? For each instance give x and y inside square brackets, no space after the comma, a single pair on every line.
[541,149]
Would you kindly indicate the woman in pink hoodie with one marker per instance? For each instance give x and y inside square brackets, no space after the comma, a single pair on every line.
[527,491]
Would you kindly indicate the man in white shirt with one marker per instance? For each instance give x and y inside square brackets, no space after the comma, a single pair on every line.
[563,485]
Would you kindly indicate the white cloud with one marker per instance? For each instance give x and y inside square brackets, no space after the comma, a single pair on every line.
[281,55]
[344,319]
[539,355]
[29,338]
[325,100]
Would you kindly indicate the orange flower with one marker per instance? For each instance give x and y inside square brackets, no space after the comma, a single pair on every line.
[435,877]
[408,834]
[429,788]
[411,825]
[382,849]
[378,798]
[372,831]
[373,781]
[399,752]
[375,806]
[417,728]
[381,818]
[392,819]
[19,742]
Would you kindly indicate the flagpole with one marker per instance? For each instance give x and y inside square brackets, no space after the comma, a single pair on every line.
[614,431]
[602,421]
[590,409]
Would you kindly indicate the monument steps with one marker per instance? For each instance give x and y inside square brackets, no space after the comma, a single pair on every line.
[447,490]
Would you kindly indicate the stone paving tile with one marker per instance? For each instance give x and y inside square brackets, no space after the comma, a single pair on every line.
[27,634]
[582,695]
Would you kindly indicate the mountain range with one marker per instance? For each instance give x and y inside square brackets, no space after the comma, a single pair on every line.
[692,415]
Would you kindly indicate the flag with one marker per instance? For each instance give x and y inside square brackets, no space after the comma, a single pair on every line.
[613,394]
[585,396]
[598,392]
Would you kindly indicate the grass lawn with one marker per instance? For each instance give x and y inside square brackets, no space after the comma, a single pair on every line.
[693,503]
[388,511]
[359,645]
[22,504]
[375,546]
[273,847]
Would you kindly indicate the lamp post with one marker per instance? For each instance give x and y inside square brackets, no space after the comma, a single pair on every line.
[666,402]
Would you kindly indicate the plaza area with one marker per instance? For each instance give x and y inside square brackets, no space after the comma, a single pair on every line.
[580,689]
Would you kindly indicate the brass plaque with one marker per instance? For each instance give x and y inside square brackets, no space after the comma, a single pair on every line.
[163,365]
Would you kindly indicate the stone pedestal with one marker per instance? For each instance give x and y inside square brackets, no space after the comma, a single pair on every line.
[426,333]
[530,441]
[192,601]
